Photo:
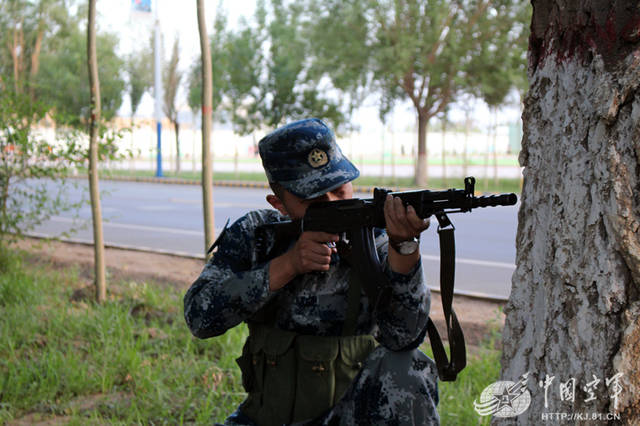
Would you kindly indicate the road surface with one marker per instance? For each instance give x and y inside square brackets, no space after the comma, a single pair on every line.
[166,217]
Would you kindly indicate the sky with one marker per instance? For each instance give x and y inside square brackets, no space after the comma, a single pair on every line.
[180,18]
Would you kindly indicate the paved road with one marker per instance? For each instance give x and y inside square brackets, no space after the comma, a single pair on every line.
[169,217]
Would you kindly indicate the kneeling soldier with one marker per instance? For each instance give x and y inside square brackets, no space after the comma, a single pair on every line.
[317,353]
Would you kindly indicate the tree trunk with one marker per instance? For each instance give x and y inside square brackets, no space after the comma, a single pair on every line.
[35,62]
[131,159]
[465,151]
[422,166]
[17,47]
[94,84]
[207,96]
[575,299]
[6,177]
[444,157]
[495,147]
[177,127]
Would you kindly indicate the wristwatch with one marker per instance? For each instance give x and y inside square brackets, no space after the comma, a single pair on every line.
[407,247]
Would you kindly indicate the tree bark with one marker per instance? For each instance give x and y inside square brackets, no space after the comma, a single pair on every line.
[207,97]
[176,125]
[575,299]
[444,145]
[35,61]
[422,164]
[96,213]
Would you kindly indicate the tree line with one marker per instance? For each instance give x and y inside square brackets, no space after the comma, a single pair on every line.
[291,59]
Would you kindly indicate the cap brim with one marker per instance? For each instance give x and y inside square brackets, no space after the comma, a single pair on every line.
[322,180]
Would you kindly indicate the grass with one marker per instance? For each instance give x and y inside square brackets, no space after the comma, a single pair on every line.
[456,398]
[482,185]
[132,359]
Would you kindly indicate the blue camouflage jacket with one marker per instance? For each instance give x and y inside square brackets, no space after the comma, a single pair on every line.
[234,286]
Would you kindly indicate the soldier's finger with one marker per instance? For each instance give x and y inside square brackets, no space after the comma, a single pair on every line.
[389,213]
[415,222]
[318,248]
[315,266]
[401,213]
[314,258]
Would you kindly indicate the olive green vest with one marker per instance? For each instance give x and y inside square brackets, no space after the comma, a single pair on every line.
[292,377]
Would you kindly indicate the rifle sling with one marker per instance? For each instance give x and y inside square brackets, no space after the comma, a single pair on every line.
[447,369]
[353,304]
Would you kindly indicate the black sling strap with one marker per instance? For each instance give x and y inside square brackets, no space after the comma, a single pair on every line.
[353,304]
[447,370]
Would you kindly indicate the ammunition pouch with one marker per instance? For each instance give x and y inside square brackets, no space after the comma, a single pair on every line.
[292,377]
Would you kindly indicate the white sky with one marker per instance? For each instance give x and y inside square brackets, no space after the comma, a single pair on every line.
[180,17]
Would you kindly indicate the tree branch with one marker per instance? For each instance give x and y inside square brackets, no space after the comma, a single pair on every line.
[434,50]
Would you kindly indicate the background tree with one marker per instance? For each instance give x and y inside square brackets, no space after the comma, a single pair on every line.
[60,81]
[171,77]
[574,305]
[26,28]
[243,60]
[94,124]
[28,163]
[409,50]
[496,68]
[268,79]
[286,93]
[139,72]
[220,72]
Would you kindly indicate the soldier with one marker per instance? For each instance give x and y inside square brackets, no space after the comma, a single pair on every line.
[317,352]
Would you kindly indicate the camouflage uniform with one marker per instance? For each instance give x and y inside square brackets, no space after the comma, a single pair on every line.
[397,383]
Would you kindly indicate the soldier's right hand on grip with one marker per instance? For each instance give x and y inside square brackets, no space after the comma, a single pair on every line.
[311,253]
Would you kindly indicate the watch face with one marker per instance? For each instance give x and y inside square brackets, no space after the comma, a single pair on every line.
[408,247]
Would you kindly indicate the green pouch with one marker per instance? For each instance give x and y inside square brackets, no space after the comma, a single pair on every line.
[291,377]
[353,351]
[268,365]
[316,382]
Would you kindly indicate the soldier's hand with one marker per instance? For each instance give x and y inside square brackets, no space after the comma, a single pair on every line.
[311,252]
[402,222]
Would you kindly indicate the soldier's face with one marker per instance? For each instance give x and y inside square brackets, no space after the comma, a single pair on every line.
[295,207]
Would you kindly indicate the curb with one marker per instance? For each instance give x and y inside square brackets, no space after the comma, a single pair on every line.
[366,189]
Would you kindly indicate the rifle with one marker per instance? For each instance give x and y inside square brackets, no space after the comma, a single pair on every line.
[354,220]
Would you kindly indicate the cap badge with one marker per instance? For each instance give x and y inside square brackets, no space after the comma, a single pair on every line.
[317,158]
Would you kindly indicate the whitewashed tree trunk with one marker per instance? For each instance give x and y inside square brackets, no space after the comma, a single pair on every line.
[574,310]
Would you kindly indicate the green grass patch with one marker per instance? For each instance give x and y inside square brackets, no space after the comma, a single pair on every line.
[483,368]
[132,359]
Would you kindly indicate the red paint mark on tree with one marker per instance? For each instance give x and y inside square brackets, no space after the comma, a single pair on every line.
[206,110]
[631,31]
[580,32]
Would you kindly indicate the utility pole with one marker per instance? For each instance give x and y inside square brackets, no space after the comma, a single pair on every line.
[158,86]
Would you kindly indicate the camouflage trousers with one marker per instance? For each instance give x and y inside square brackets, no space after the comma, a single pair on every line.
[392,388]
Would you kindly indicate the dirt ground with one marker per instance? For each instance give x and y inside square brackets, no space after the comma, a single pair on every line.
[478,318]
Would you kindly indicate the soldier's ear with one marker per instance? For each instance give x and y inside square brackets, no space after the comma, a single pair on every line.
[277,204]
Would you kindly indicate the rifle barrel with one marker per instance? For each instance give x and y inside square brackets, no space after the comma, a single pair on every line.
[494,200]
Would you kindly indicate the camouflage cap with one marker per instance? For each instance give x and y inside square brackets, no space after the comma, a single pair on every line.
[304,158]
